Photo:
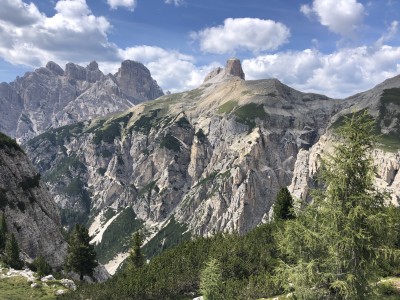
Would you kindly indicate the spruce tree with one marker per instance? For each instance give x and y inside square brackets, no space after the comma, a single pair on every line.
[211,280]
[3,232]
[12,253]
[81,256]
[283,206]
[334,246]
[136,258]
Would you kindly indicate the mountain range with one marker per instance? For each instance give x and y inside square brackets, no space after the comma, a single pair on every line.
[193,163]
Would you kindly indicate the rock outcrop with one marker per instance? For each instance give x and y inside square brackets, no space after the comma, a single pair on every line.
[211,159]
[30,212]
[50,97]
[207,160]
[233,68]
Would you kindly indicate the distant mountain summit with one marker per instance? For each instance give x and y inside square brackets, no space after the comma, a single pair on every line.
[233,68]
[50,97]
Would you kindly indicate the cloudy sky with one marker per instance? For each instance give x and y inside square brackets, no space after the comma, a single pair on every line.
[334,47]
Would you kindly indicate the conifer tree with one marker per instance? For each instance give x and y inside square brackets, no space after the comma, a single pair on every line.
[211,281]
[81,256]
[136,258]
[283,206]
[3,232]
[334,246]
[12,253]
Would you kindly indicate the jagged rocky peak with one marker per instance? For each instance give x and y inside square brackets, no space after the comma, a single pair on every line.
[233,68]
[135,81]
[91,73]
[56,69]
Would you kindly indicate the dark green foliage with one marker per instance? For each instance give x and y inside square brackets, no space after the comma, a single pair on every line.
[146,190]
[12,253]
[58,136]
[136,258]
[170,142]
[211,280]
[171,235]
[3,232]
[201,136]
[81,256]
[64,168]
[101,171]
[283,206]
[334,246]
[7,142]
[21,206]
[246,263]
[146,122]
[109,130]
[117,235]
[183,123]
[41,267]
[30,182]
[3,198]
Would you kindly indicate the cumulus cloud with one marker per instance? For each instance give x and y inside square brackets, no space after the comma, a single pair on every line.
[243,34]
[19,13]
[339,74]
[175,2]
[340,16]
[114,4]
[34,39]
[173,70]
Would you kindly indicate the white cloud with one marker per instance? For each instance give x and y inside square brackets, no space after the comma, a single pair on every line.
[244,33]
[72,34]
[339,74]
[19,13]
[175,2]
[390,34]
[114,4]
[173,70]
[340,16]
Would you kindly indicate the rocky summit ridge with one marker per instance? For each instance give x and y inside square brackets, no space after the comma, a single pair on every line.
[50,97]
[202,161]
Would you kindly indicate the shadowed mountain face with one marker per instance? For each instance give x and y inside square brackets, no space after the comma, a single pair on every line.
[50,97]
[30,212]
[210,159]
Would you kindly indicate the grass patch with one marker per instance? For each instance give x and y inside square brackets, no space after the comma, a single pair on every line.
[117,236]
[17,288]
[227,107]
[146,122]
[171,235]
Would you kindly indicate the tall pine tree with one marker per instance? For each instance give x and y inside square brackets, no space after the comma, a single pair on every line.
[12,253]
[136,258]
[334,246]
[283,207]
[81,256]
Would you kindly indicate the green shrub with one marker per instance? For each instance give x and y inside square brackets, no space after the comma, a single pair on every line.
[170,142]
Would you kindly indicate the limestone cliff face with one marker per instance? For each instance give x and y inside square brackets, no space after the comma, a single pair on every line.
[31,214]
[50,97]
[212,158]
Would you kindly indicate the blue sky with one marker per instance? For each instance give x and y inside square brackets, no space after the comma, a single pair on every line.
[334,47]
